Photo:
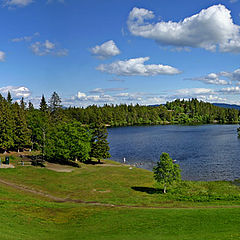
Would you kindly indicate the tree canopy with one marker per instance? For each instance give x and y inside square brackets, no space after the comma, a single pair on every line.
[52,125]
[68,141]
[187,112]
[99,144]
[166,172]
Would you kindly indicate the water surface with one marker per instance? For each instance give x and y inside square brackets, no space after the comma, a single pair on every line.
[206,152]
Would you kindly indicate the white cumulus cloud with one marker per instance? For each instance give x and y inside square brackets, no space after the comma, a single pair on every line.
[210,28]
[17,3]
[2,56]
[230,90]
[104,90]
[24,3]
[25,38]
[233,76]
[212,78]
[47,48]
[16,92]
[194,91]
[92,98]
[106,50]
[50,1]
[136,67]
[203,94]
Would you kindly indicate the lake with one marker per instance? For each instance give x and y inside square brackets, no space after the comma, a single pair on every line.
[205,152]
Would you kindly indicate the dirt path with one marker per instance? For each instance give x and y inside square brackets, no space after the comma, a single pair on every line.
[65,168]
[110,165]
[60,200]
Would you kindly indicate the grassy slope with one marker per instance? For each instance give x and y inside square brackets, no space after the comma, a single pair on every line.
[121,185]
[25,216]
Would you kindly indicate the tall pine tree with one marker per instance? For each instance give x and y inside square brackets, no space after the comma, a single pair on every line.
[21,132]
[6,124]
[99,144]
[55,102]
[43,105]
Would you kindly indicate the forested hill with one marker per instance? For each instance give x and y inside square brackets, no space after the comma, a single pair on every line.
[176,112]
[224,105]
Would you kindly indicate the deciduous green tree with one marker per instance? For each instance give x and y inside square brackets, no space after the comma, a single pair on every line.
[68,141]
[166,172]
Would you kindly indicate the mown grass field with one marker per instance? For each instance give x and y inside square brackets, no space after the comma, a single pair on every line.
[195,210]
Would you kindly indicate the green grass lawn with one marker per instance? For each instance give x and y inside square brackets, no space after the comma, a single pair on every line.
[122,186]
[193,210]
[25,218]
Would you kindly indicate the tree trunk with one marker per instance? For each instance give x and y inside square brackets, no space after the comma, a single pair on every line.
[43,146]
[164,189]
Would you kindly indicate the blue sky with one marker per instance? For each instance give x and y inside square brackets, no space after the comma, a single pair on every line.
[110,51]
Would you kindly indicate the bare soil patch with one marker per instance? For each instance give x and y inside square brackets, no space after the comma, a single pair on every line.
[6,166]
[59,168]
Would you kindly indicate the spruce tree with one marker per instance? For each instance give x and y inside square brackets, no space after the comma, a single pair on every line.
[6,125]
[9,98]
[43,104]
[22,134]
[30,106]
[99,144]
[22,104]
[43,124]
[55,102]
[56,111]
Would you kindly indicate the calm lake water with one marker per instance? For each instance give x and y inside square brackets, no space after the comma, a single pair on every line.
[206,152]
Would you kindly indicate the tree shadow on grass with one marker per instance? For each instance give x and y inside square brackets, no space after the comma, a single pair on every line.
[236,182]
[91,162]
[148,190]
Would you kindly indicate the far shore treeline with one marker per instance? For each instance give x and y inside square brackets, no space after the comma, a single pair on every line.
[187,112]
[76,133]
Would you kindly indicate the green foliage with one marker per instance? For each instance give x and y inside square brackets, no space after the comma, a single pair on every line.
[22,127]
[68,141]
[21,132]
[38,123]
[9,98]
[99,144]
[50,130]
[54,102]
[177,112]
[166,172]
[6,125]
[43,105]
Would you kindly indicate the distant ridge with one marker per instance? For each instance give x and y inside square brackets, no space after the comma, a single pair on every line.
[156,105]
[225,105]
